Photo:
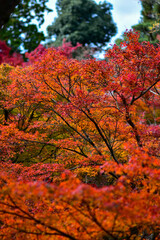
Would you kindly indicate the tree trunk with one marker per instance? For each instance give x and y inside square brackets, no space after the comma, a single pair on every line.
[6,8]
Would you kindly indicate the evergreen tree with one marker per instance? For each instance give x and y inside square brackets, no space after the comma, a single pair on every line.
[82,21]
[148,26]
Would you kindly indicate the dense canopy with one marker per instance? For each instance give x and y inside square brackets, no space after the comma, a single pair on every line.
[80,145]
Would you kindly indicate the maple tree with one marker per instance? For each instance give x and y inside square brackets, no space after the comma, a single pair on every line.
[80,145]
[66,49]
[13,59]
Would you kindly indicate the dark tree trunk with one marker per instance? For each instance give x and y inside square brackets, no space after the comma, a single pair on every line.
[6,8]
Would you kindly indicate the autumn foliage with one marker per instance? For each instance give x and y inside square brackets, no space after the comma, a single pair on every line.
[13,59]
[80,146]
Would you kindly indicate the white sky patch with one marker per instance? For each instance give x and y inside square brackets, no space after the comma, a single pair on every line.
[126,13]
[49,17]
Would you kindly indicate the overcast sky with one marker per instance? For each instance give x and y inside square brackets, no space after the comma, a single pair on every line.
[125,14]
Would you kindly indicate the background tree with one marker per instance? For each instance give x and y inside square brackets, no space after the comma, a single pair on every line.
[82,21]
[150,17]
[148,26]
[20,32]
